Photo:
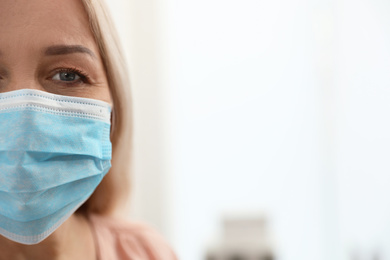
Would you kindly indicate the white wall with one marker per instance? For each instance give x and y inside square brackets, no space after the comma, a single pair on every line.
[262,106]
[247,120]
[363,82]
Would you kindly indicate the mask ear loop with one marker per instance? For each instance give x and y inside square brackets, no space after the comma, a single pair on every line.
[113,119]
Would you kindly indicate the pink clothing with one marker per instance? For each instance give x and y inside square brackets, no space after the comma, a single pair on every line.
[122,240]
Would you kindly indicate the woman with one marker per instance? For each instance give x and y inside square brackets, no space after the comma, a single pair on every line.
[64,104]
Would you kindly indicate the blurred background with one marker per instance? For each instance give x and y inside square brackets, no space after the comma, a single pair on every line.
[261,127]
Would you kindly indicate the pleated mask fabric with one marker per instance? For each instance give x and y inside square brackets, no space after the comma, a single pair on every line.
[54,151]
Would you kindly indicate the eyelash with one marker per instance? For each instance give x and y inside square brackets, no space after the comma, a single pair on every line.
[83,76]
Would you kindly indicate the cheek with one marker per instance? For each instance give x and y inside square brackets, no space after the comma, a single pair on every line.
[103,93]
[97,91]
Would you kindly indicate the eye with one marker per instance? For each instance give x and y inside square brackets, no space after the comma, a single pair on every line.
[66,76]
[70,76]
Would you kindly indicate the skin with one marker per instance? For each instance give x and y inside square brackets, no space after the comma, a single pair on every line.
[43,44]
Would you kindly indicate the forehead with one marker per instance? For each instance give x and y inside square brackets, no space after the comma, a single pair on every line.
[33,24]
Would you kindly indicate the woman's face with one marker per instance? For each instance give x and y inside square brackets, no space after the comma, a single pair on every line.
[48,45]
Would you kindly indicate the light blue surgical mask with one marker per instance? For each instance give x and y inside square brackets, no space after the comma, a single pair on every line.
[54,151]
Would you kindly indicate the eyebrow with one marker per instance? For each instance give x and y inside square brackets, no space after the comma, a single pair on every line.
[68,49]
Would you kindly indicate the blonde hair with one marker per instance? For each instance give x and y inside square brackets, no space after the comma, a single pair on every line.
[115,185]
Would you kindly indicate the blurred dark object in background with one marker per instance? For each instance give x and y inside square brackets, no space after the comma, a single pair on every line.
[244,237]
